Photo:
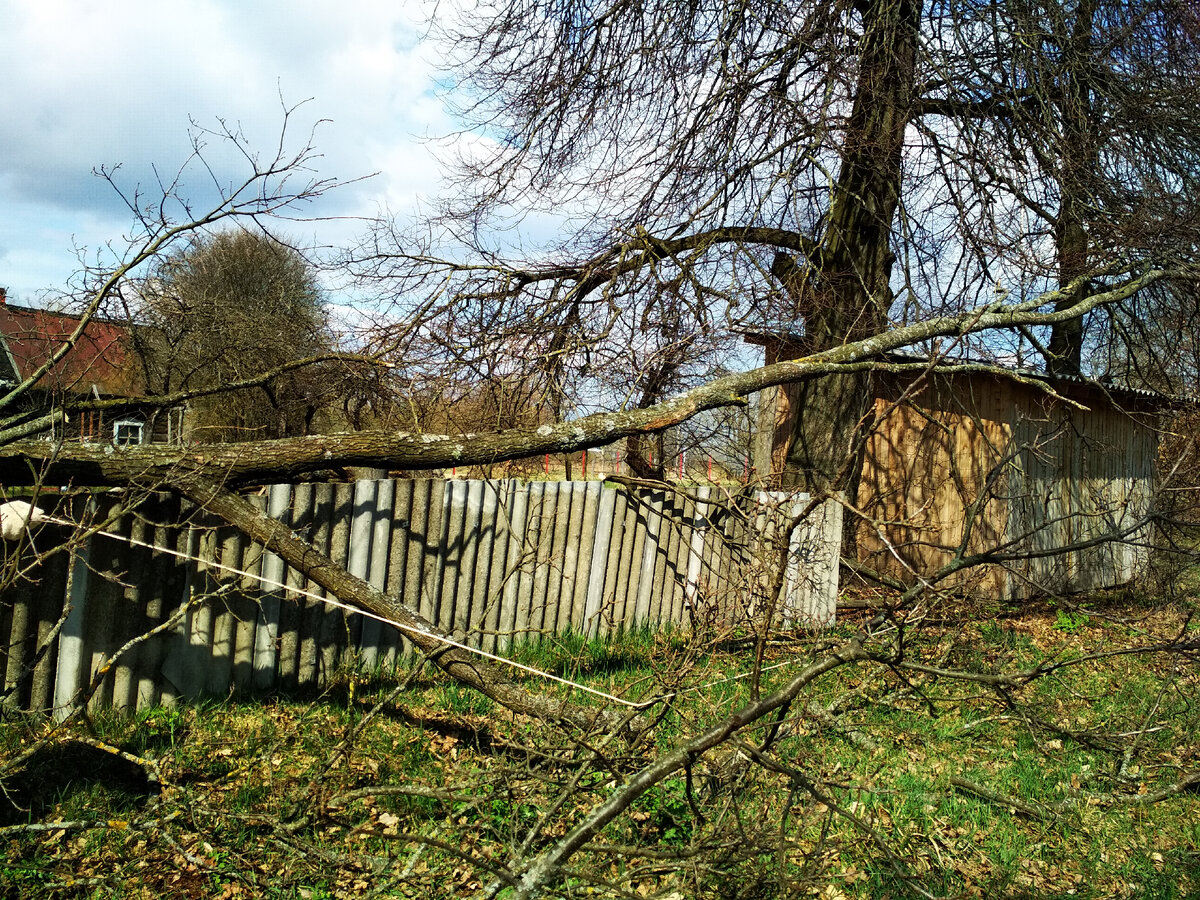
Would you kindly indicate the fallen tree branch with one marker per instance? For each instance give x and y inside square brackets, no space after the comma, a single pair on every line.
[478,673]
[7,831]
[257,462]
[535,874]
[1029,809]
[1186,783]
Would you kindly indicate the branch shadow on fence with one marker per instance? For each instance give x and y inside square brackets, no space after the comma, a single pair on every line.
[492,563]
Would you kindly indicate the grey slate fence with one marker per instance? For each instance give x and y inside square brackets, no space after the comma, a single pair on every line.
[491,562]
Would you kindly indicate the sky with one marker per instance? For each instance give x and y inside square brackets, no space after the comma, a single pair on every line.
[93,85]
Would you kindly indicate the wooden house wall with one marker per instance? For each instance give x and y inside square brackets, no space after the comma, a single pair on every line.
[96,426]
[935,480]
[1015,471]
[774,436]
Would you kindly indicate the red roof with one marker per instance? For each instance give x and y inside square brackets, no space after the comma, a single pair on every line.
[101,358]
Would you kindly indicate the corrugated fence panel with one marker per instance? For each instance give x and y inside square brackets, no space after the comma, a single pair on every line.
[492,562]
[497,507]
[518,516]
[26,622]
[602,533]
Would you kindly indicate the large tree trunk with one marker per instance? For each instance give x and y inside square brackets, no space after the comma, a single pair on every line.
[1079,166]
[844,293]
[1066,338]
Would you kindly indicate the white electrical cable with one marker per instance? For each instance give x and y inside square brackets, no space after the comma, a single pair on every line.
[348,608]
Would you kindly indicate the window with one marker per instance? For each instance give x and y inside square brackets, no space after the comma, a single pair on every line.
[175,423]
[128,431]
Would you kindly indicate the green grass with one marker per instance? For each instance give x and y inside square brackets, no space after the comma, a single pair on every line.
[440,784]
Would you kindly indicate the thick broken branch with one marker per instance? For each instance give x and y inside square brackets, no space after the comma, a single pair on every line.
[467,668]
[257,462]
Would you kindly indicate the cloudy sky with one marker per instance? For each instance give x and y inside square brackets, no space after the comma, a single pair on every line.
[92,85]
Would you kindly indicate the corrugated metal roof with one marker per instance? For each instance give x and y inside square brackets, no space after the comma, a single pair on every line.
[100,360]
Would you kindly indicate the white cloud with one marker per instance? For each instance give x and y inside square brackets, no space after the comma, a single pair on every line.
[105,84]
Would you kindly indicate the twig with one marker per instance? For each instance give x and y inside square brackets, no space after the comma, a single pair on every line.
[547,865]
[1042,813]
[402,790]
[73,825]
[1184,784]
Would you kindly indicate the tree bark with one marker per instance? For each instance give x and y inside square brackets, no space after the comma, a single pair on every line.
[1079,166]
[844,292]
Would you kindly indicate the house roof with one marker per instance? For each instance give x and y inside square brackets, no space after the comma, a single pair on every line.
[100,361]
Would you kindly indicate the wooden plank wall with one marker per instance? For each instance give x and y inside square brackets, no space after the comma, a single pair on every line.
[1084,475]
[932,457]
[492,562]
[1027,474]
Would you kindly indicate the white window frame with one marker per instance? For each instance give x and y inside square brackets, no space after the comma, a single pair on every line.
[135,425]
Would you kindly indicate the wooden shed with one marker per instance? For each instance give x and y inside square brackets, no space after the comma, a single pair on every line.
[1055,485]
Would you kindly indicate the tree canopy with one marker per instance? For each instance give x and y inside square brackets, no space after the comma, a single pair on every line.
[818,170]
[226,307]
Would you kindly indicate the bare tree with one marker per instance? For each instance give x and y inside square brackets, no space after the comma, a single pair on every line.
[226,307]
[811,169]
[276,184]
[719,157]
[1077,118]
